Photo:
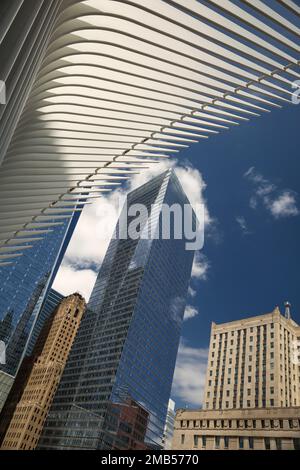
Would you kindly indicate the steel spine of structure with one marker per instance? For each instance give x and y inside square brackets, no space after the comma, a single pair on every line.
[106,87]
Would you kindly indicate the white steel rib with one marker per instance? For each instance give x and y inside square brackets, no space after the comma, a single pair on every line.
[100,89]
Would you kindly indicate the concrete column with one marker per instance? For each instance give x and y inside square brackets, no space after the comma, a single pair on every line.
[233,443]
[273,444]
[210,443]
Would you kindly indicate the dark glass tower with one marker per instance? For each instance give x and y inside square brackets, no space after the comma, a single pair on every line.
[23,287]
[50,303]
[121,367]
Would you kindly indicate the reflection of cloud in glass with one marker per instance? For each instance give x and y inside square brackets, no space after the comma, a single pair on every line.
[2,353]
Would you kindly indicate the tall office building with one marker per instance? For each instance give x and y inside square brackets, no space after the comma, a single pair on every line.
[40,312]
[24,285]
[250,364]
[252,391]
[40,376]
[126,347]
[6,382]
[127,423]
[50,303]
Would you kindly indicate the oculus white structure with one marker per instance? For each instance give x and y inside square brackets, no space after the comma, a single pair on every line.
[99,89]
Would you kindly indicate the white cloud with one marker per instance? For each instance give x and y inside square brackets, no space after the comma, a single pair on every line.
[192,292]
[94,231]
[284,206]
[146,175]
[194,186]
[190,373]
[280,203]
[241,221]
[70,280]
[253,202]
[190,312]
[200,266]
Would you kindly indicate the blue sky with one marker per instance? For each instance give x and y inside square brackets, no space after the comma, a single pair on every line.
[255,267]
[251,190]
[251,175]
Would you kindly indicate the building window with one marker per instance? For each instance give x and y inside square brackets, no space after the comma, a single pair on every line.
[196,439]
[217,442]
[182,438]
[278,443]
[204,441]
[267,443]
[241,442]
[251,442]
[281,423]
[296,443]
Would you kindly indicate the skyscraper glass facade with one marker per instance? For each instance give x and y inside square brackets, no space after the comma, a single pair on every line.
[124,355]
[50,303]
[23,287]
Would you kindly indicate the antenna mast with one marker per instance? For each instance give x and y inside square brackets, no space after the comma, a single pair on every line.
[287,310]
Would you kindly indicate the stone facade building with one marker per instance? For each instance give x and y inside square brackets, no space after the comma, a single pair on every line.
[252,395]
[40,375]
[251,363]
[246,429]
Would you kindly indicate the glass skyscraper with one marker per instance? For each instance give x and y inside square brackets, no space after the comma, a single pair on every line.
[50,303]
[116,386]
[23,287]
